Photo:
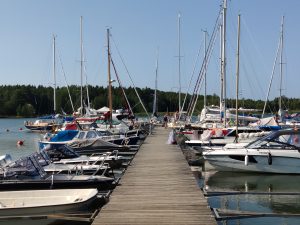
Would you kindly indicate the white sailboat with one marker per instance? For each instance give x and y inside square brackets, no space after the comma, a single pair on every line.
[51,122]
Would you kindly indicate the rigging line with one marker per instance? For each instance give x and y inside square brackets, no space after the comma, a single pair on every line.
[247,76]
[272,75]
[85,75]
[192,76]
[208,53]
[208,50]
[208,57]
[252,67]
[127,71]
[86,84]
[120,84]
[63,71]
[261,58]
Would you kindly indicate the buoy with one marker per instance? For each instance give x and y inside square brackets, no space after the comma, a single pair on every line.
[246,160]
[269,158]
[20,142]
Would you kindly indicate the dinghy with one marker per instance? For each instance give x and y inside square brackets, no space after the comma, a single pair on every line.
[45,202]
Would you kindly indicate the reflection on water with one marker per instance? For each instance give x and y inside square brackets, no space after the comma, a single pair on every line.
[263,203]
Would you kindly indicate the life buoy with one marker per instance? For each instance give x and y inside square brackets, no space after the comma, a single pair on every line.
[20,142]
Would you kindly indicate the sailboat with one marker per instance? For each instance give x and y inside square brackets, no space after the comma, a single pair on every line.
[154,117]
[51,122]
[278,121]
[214,128]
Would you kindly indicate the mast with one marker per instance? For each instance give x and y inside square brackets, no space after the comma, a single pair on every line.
[205,67]
[179,65]
[81,68]
[221,72]
[279,50]
[54,75]
[237,76]
[223,60]
[281,68]
[109,79]
[155,91]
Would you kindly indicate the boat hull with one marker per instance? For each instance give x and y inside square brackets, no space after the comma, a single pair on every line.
[39,128]
[59,182]
[257,163]
[37,203]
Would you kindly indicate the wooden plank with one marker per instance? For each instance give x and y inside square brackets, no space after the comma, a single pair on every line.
[157,188]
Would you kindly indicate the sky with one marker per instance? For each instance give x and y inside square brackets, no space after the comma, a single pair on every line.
[143,31]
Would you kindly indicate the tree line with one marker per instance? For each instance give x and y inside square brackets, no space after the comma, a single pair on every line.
[32,101]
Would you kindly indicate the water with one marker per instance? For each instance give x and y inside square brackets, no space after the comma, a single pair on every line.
[253,182]
[13,130]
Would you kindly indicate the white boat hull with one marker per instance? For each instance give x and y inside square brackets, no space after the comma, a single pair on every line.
[257,161]
[45,202]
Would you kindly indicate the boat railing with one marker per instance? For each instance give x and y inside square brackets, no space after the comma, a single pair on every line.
[105,166]
[101,158]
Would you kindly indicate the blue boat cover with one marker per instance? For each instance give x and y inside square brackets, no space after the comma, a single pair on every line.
[64,135]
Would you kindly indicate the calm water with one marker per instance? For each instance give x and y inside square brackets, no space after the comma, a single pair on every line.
[12,130]
[253,182]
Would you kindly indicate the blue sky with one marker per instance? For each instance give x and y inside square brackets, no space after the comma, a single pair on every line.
[139,28]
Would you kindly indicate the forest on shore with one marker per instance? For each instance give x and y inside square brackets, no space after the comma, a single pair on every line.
[32,101]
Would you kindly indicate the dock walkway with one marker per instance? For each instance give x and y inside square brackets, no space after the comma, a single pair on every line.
[158,189]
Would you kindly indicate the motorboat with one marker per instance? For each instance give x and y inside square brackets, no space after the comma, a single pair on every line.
[83,167]
[46,123]
[45,202]
[89,141]
[27,173]
[223,136]
[65,155]
[277,152]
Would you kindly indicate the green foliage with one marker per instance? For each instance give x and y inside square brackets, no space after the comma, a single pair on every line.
[30,101]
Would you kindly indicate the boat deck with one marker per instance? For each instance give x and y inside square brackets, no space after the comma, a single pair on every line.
[157,188]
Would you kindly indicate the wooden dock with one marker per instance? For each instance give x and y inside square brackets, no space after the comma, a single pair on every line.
[157,188]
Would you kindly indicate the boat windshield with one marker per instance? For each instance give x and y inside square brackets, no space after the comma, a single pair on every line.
[288,138]
[62,152]
[91,134]
[103,133]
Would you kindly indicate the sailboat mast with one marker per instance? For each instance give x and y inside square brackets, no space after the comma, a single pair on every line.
[281,67]
[54,75]
[179,65]
[272,75]
[237,75]
[205,58]
[223,69]
[155,91]
[109,78]
[81,68]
